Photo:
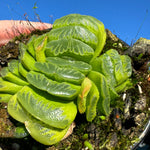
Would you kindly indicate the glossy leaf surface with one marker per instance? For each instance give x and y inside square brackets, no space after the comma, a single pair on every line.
[16,110]
[7,75]
[60,74]
[26,59]
[46,108]
[44,133]
[75,32]
[88,22]
[13,67]
[69,47]
[118,68]
[101,83]
[8,87]
[126,65]
[104,65]
[5,97]
[22,70]
[60,89]
[91,102]
[82,96]
[78,65]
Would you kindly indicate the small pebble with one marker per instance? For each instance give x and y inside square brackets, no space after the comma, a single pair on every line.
[139,119]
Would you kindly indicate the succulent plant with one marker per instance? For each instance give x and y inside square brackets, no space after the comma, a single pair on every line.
[60,73]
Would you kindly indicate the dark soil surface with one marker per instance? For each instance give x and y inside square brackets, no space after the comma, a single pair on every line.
[119,131]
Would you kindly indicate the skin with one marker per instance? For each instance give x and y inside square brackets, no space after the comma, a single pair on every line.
[12,28]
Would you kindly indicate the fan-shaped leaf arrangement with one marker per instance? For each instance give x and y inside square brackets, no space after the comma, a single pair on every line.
[60,73]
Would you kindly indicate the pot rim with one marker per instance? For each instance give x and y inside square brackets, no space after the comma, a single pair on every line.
[142,136]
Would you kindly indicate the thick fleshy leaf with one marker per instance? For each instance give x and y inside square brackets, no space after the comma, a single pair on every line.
[116,59]
[101,40]
[100,81]
[104,65]
[75,32]
[88,22]
[43,133]
[116,68]
[126,64]
[26,59]
[5,97]
[39,46]
[16,110]
[69,47]
[124,86]
[91,102]
[64,90]
[22,70]
[78,65]
[35,127]
[7,75]
[9,88]
[82,96]
[30,45]
[13,66]
[48,109]
[60,74]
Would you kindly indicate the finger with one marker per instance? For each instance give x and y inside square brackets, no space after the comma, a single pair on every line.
[12,28]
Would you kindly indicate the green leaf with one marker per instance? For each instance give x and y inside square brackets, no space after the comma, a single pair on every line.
[100,81]
[75,32]
[88,22]
[105,66]
[91,102]
[43,133]
[126,64]
[13,67]
[88,145]
[5,97]
[39,131]
[122,66]
[22,70]
[78,65]
[20,132]
[16,110]
[124,86]
[69,47]
[82,96]
[48,109]
[39,46]
[60,74]
[30,45]
[101,40]
[11,77]
[9,88]
[63,90]
[26,59]
[118,67]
